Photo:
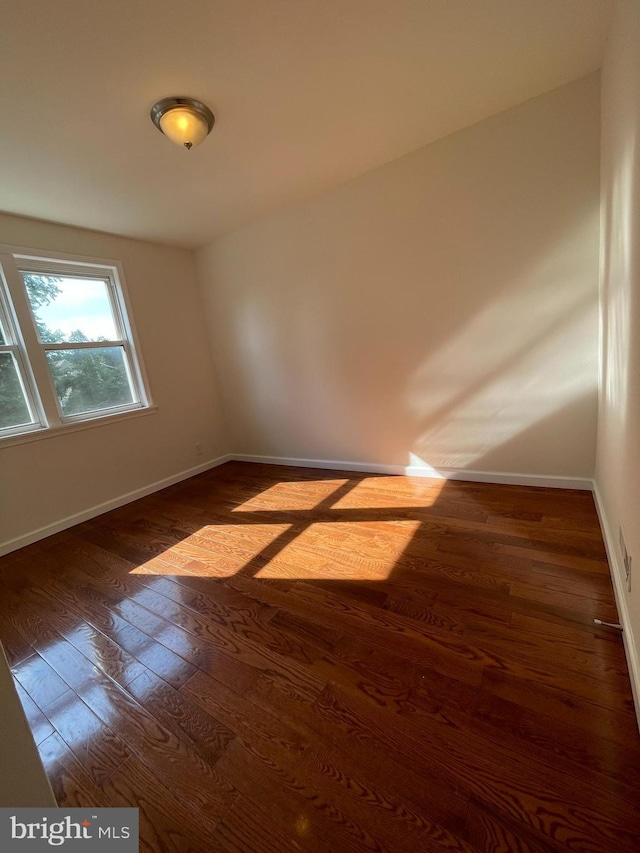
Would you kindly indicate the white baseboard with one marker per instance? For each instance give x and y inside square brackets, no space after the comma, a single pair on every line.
[617,576]
[98,509]
[551,481]
[328,464]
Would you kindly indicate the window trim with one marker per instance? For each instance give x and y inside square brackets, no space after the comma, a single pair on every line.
[14,345]
[63,429]
[30,351]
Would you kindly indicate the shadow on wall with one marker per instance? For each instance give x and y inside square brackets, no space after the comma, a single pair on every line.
[576,421]
[518,393]
[525,356]
[333,370]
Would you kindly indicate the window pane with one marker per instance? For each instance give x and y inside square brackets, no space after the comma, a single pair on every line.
[13,405]
[88,380]
[70,309]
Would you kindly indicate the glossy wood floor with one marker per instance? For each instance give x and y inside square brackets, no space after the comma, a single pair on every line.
[275,659]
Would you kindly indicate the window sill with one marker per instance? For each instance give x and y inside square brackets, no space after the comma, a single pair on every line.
[64,429]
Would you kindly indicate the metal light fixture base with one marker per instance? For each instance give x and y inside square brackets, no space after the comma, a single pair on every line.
[166,104]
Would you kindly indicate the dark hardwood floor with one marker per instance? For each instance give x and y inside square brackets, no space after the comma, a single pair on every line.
[275,659]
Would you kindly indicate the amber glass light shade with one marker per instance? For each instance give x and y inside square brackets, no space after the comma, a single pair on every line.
[184,127]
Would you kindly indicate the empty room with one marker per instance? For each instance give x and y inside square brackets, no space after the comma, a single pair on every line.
[320,425]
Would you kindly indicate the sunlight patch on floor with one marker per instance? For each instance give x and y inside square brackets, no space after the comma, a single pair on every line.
[342,551]
[214,551]
[287,496]
[391,493]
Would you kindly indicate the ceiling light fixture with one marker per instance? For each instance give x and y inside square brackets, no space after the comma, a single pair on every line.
[185,121]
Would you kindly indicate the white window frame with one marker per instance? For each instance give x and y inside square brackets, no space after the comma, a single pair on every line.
[29,352]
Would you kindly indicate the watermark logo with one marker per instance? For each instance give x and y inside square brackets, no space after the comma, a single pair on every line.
[70,829]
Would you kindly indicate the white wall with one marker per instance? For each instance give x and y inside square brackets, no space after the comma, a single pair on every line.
[47,480]
[442,308]
[618,448]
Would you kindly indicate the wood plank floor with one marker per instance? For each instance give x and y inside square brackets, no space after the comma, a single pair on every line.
[276,659]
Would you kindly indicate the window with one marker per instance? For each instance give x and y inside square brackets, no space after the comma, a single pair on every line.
[67,348]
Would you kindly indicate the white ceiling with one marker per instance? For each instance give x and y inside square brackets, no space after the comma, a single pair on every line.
[307,94]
